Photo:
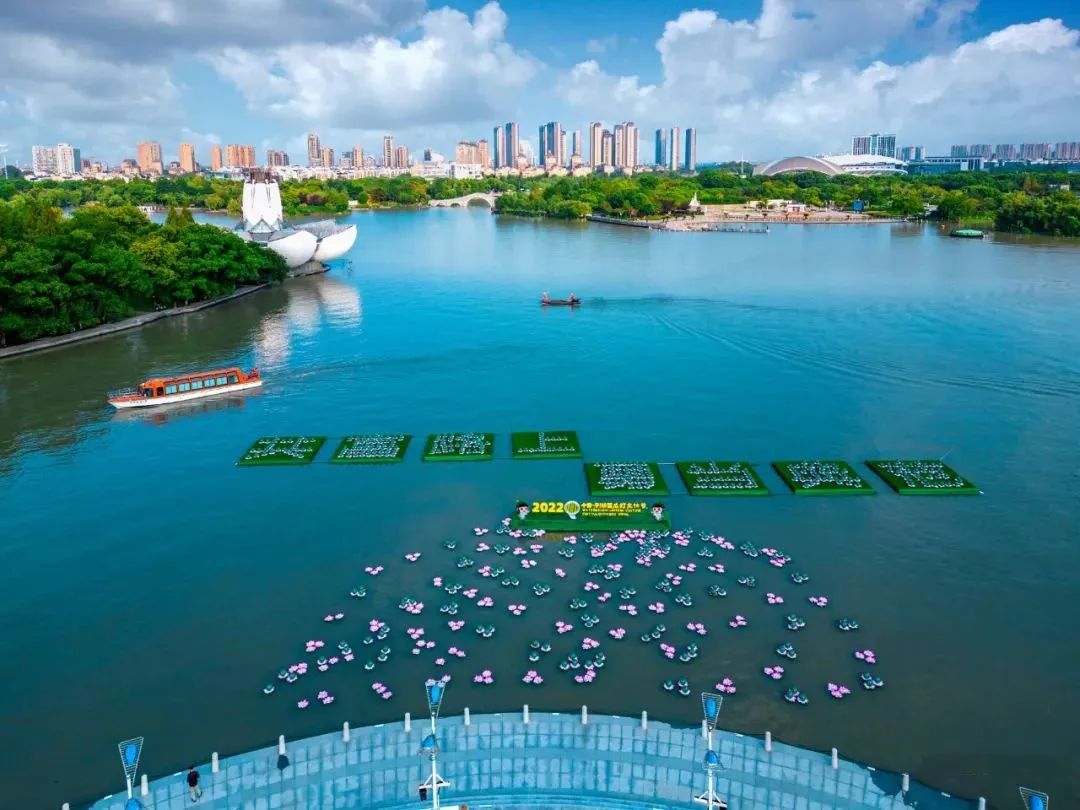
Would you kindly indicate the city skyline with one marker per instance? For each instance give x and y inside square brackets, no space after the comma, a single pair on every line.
[937,72]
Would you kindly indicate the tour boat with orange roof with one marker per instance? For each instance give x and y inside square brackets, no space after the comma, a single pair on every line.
[183,387]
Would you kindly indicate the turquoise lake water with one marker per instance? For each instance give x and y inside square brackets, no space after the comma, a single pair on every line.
[152,587]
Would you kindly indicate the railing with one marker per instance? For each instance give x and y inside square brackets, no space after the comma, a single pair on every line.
[123,392]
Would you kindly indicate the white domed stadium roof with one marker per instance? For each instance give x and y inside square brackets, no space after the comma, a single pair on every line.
[833,165]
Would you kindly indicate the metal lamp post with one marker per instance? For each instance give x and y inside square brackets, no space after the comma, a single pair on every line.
[710,708]
[429,747]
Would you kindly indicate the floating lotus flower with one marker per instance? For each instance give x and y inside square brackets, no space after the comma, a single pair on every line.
[657,607]
[485,602]
[528,563]
[517,610]
[726,686]
[455,625]
[717,568]
[776,673]
[738,621]
[563,627]
[559,572]
[302,704]
[412,556]
[866,655]
[589,643]
[819,601]
[617,633]
[774,599]
[484,677]
[696,627]
[838,690]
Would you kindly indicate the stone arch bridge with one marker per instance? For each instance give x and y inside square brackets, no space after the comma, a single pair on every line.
[484,197]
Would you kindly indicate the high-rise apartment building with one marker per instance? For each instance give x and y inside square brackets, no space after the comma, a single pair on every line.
[619,134]
[216,160]
[513,145]
[563,152]
[277,158]
[43,159]
[326,157]
[314,150]
[575,144]
[1034,151]
[240,155]
[484,153]
[596,143]
[148,156]
[660,151]
[388,151]
[673,149]
[187,158]
[498,152]
[68,159]
[1067,150]
[909,153]
[551,149]
[1005,151]
[982,150]
[401,157]
[690,152]
[607,148]
[467,153]
[874,144]
[958,150]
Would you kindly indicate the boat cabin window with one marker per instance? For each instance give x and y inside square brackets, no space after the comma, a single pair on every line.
[170,389]
[159,392]
[220,380]
[184,386]
[232,378]
[148,392]
[196,385]
[209,382]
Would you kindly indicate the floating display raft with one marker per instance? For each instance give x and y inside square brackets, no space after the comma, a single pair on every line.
[459,447]
[383,448]
[720,478]
[822,478]
[545,444]
[625,478]
[922,477]
[281,450]
[601,516]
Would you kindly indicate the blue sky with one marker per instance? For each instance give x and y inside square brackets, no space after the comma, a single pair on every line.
[758,78]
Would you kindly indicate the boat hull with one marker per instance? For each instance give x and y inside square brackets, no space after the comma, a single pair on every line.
[153,402]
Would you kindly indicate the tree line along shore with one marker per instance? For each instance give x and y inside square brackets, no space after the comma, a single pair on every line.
[1028,201]
[107,261]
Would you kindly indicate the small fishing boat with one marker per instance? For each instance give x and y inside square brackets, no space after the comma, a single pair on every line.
[966,233]
[560,302]
[166,390]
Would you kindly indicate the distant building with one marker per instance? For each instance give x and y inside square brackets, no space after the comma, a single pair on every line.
[690,156]
[958,150]
[43,159]
[187,158]
[148,156]
[660,152]
[216,161]
[388,151]
[498,140]
[483,149]
[1067,150]
[874,144]
[945,165]
[513,144]
[326,158]
[596,143]
[981,150]
[832,165]
[911,153]
[314,150]
[552,145]
[607,149]
[357,157]
[240,155]
[673,149]
[68,159]
[575,145]
[277,158]
[401,157]
[1034,151]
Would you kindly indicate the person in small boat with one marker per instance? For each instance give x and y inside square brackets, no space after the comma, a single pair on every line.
[573,299]
[544,298]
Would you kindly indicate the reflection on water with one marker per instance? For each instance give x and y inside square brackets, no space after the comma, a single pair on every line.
[832,342]
[164,414]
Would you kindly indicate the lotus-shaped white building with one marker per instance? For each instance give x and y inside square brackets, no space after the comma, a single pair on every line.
[263,222]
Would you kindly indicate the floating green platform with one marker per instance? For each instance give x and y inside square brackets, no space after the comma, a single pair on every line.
[599,516]
[381,448]
[545,444]
[822,478]
[459,447]
[922,477]
[271,451]
[719,478]
[617,478]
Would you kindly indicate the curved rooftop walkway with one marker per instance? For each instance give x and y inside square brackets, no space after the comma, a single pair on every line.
[555,761]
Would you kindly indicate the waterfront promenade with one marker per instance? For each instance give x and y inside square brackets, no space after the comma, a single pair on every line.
[551,761]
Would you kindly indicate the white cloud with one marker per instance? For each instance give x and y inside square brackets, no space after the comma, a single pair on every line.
[806,76]
[603,44]
[455,70]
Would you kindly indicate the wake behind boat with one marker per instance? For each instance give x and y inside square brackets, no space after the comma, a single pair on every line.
[181,388]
